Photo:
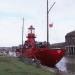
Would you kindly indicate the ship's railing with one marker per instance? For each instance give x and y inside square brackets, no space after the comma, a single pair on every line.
[41,45]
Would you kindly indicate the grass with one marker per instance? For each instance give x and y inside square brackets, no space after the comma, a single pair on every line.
[12,66]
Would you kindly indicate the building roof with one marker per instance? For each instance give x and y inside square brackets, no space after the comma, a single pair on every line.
[58,45]
[70,33]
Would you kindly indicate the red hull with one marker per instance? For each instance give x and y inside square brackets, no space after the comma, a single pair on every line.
[40,50]
[48,57]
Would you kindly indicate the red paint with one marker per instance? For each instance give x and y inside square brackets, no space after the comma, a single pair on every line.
[48,57]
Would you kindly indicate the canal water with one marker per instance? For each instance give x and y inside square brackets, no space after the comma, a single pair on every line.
[66,66]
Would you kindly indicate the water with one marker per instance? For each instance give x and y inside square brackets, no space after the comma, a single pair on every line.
[66,66]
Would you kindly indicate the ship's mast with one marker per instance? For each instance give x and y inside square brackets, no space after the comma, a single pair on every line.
[22,31]
[48,10]
[47,26]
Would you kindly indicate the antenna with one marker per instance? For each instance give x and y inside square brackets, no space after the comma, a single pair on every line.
[48,10]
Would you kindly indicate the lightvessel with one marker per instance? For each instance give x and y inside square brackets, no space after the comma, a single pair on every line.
[41,50]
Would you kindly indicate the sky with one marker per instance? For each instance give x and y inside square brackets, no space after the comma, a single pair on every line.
[12,12]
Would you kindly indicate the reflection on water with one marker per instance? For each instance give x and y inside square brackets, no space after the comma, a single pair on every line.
[61,65]
[66,66]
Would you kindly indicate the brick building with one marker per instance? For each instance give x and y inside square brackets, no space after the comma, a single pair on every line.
[69,43]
